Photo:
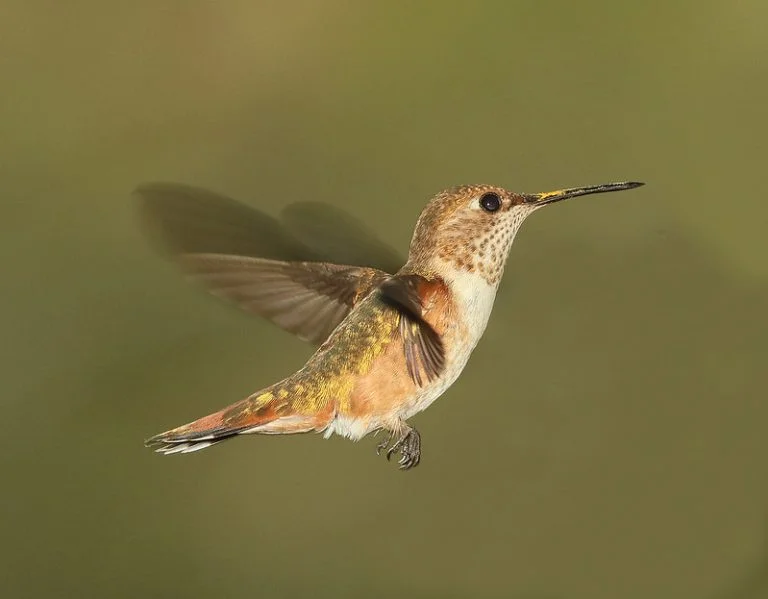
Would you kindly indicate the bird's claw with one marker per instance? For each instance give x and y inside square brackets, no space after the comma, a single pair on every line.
[409,447]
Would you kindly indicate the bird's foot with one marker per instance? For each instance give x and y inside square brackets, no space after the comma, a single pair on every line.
[408,445]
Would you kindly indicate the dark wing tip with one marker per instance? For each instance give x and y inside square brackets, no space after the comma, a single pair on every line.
[423,346]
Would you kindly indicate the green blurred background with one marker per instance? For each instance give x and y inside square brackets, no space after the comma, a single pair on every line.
[607,439]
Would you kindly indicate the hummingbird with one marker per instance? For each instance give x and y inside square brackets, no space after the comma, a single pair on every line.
[391,341]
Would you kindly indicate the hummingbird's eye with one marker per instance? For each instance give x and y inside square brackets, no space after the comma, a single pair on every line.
[490,202]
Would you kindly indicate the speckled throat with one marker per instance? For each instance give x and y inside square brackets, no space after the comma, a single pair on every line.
[474,241]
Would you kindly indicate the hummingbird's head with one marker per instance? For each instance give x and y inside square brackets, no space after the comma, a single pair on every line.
[471,228]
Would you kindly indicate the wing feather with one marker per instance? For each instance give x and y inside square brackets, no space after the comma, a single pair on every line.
[422,345]
[282,269]
[308,299]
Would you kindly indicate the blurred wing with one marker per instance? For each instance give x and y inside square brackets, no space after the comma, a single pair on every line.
[339,237]
[185,219]
[280,270]
[308,299]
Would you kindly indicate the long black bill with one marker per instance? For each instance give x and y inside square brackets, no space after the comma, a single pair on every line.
[549,197]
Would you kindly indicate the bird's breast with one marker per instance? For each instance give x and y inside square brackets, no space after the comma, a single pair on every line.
[382,391]
[458,311]
[461,318]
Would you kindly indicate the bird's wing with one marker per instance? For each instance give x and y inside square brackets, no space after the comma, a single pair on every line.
[283,270]
[183,220]
[338,237]
[308,299]
[187,220]
[423,347]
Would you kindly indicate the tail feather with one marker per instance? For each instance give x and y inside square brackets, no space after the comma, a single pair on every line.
[262,413]
[185,440]
[182,447]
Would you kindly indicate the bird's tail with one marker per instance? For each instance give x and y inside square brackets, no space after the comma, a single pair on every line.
[268,412]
